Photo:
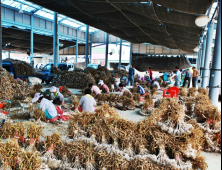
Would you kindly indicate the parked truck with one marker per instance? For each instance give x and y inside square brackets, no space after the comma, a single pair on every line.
[43,74]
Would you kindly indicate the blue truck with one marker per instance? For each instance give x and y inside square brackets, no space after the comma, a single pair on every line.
[45,71]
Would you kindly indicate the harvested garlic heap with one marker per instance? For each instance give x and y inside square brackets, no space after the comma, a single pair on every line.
[171,118]
[128,142]
[147,108]
[11,89]
[112,143]
[101,73]
[73,80]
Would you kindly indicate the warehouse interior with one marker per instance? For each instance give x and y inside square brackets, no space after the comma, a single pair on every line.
[134,52]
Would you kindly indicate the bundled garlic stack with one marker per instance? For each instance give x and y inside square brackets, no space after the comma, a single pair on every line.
[11,89]
[22,68]
[74,80]
[171,118]
[119,73]
[148,106]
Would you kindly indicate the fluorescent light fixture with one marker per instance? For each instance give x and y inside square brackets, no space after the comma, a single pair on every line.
[202,20]
[196,49]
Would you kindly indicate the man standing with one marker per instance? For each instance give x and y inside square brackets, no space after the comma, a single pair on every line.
[177,77]
[187,77]
[51,75]
[151,73]
[195,77]
[131,76]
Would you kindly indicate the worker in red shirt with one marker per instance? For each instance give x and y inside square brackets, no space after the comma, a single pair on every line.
[151,73]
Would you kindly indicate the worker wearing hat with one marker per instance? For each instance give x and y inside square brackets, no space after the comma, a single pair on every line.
[46,106]
[116,85]
[103,87]
[125,81]
[56,96]
[140,90]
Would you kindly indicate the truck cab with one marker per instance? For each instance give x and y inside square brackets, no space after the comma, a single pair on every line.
[61,66]
[8,66]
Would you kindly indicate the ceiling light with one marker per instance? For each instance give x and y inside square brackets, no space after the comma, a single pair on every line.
[202,20]
[196,49]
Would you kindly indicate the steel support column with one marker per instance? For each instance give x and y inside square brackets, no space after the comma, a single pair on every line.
[91,44]
[215,78]
[206,70]
[120,53]
[87,46]
[198,56]
[57,48]
[77,45]
[55,39]
[32,40]
[0,37]
[131,55]
[203,56]
[9,54]
[107,50]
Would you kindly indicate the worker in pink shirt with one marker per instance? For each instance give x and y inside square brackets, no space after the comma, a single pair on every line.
[94,89]
[103,87]
[123,89]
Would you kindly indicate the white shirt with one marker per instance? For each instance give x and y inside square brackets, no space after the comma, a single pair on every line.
[178,74]
[49,106]
[156,83]
[124,89]
[87,103]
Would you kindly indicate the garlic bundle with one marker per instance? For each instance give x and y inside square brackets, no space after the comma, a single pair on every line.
[129,151]
[146,112]
[115,144]
[53,163]
[31,146]
[5,167]
[44,167]
[131,107]
[211,144]
[100,103]
[89,166]
[65,166]
[77,165]
[49,153]
[40,123]
[162,157]
[206,127]
[190,152]
[104,141]
[180,129]
[181,165]
[143,150]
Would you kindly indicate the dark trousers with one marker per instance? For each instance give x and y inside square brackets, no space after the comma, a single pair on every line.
[186,79]
[194,82]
